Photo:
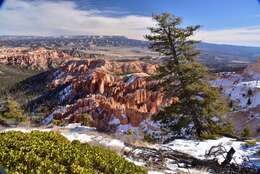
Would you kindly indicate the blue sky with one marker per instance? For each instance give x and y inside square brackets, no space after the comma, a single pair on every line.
[223,21]
[212,14]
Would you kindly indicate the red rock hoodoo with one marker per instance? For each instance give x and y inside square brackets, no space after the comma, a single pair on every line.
[112,92]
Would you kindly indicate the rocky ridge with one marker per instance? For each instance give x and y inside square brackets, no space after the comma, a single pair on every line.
[38,58]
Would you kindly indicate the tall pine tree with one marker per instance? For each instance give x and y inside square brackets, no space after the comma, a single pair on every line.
[180,75]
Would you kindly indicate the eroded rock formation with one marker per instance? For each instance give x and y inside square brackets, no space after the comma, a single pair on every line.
[116,94]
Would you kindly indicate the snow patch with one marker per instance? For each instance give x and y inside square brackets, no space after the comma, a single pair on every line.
[65,93]
[131,79]
[58,74]
[236,87]
[126,128]
[200,148]
[115,121]
[49,119]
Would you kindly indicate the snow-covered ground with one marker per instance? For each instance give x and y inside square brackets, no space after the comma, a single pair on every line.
[240,93]
[245,92]
[192,147]
[200,148]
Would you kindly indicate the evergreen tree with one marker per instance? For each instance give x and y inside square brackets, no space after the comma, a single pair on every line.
[181,76]
[250,92]
[249,101]
[231,104]
[12,110]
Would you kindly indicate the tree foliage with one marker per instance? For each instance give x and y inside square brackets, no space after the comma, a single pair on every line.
[12,111]
[180,75]
[51,153]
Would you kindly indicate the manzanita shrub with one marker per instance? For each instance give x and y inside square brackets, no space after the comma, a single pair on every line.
[51,153]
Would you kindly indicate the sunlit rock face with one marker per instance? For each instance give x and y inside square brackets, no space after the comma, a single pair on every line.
[38,58]
[114,93]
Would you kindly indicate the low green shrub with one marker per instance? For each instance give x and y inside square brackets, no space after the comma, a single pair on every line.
[57,122]
[218,131]
[246,133]
[86,120]
[51,153]
[149,138]
[250,143]
[208,135]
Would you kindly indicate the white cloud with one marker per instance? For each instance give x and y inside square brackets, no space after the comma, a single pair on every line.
[19,17]
[44,17]
[249,36]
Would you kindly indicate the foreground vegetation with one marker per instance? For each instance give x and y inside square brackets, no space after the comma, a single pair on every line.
[49,153]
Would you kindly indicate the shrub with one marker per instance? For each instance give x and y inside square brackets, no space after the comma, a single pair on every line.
[56,122]
[207,135]
[130,132]
[246,133]
[49,152]
[225,129]
[86,120]
[149,138]
[251,143]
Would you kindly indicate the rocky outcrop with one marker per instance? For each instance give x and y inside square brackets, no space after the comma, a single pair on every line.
[38,58]
[114,93]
